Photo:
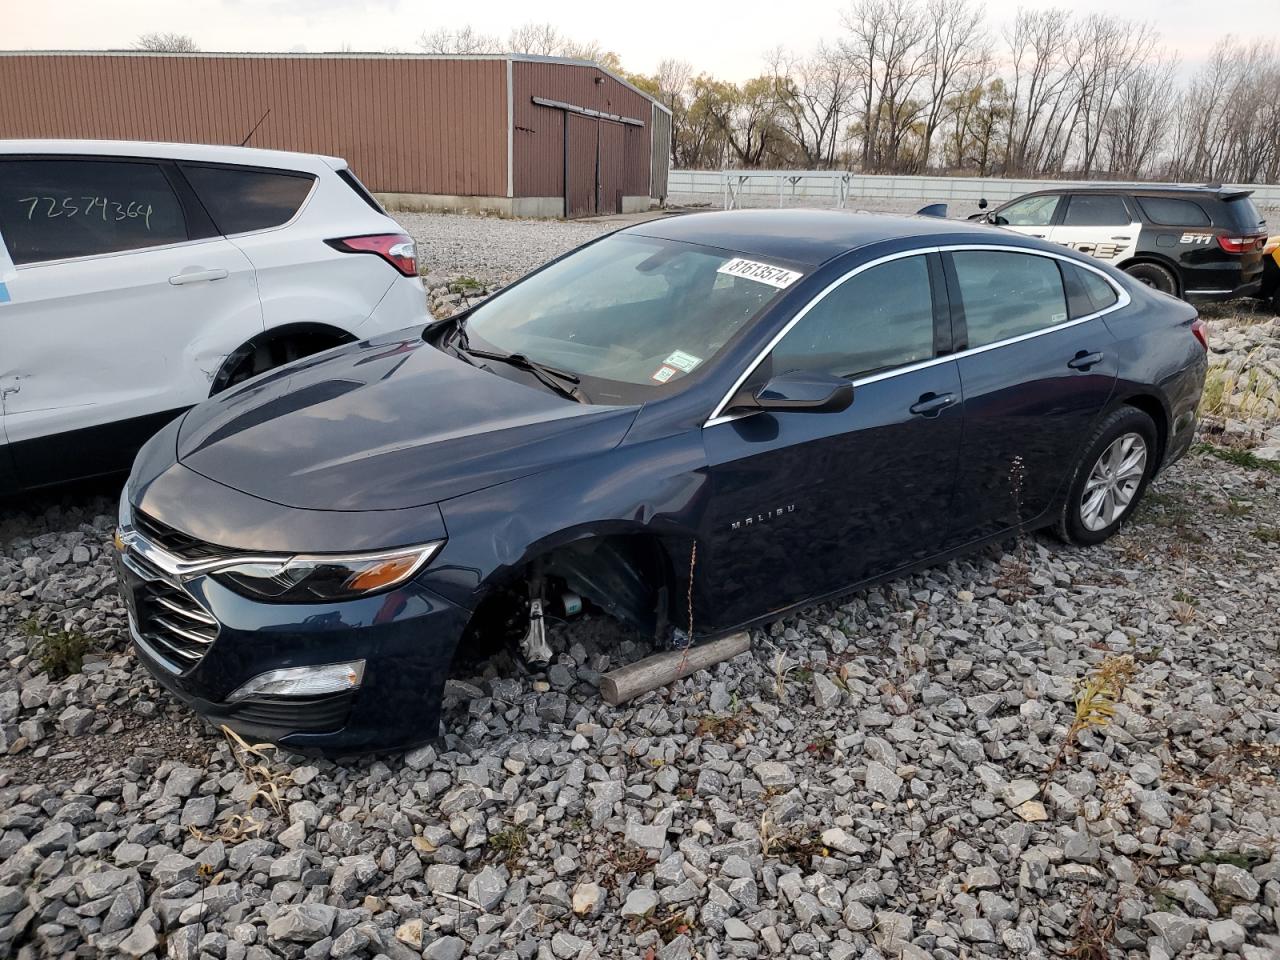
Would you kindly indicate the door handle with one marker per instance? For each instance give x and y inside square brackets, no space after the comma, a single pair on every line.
[197,276]
[932,404]
[1084,360]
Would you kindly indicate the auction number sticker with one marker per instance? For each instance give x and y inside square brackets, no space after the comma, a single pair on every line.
[760,272]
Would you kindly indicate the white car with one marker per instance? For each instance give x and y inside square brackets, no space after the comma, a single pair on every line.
[136,279]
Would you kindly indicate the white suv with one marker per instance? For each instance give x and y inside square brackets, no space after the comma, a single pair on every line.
[136,279]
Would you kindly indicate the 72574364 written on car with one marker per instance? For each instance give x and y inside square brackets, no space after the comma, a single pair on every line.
[812,400]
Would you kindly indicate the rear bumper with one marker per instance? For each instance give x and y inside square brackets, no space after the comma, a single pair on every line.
[1250,289]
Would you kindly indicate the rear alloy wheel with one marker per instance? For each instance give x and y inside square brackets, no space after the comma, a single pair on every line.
[1155,276]
[1110,478]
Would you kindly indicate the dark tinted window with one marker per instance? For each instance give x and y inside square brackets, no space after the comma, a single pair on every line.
[1087,293]
[1174,213]
[1095,210]
[1008,294]
[240,199]
[352,181]
[54,209]
[1029,212]
[881,318]
[1242,215]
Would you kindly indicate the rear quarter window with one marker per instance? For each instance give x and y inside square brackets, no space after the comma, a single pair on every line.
[352,181]
[1087,293]
[243,199]
[1169,212]
[55,209]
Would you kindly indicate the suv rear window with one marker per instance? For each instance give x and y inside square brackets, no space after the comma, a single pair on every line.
[1243,216]
[241,199]
[1167,211]
[53,209]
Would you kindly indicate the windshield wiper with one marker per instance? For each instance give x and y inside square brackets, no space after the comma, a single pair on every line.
[549,376]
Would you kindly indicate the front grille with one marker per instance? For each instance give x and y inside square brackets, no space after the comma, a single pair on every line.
[175,541]
[171,621]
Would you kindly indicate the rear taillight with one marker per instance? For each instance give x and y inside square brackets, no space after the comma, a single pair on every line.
[1242,244]
[1201,332]
[395,248]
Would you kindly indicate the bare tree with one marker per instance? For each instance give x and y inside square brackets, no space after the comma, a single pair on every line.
[812,96]
[1138,124]
[1041,90]
[463,41]
[166,43]
[1105,54]
[888,47]
[958,51]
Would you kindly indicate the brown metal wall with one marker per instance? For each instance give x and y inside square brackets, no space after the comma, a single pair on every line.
[406,125]
[538,151]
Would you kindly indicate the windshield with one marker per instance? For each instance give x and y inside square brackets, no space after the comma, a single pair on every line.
[636,311]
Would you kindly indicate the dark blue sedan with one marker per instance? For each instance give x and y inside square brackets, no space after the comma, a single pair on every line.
[751,411]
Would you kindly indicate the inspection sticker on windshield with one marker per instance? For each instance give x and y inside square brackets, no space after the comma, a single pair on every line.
[682,361]
[762,272]
[664,374]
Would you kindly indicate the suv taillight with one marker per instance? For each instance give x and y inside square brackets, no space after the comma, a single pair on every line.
[1201,333]
[1242,244]
[396,248]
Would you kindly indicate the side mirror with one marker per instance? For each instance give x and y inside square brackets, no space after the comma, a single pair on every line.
[982,203]
[811,392]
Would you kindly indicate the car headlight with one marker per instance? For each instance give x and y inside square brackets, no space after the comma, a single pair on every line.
[321,578]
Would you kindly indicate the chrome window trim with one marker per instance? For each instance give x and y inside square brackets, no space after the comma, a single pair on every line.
[1123,299]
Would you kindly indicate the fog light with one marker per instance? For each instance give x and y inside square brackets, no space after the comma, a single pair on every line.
[303,681]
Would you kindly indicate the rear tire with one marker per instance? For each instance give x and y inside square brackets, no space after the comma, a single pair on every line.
[1110,477]
[1155,276]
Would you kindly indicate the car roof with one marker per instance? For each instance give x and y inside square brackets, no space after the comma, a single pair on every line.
[812,237]
[207,152]
[1145,189]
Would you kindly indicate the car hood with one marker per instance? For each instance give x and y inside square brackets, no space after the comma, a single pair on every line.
[387,424]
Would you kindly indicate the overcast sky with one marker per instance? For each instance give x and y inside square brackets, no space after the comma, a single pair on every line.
[727,39]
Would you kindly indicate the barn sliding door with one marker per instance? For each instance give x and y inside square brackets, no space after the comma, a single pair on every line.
[581,154]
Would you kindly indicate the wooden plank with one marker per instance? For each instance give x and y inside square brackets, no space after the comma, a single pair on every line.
[627,683]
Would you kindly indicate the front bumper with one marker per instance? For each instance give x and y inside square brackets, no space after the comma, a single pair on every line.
[407,638]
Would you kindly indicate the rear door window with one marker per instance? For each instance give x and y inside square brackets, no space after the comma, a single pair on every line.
[243,199]
[876,320]
[1006,295]
[56,209]
[1169,212]
[1096,210]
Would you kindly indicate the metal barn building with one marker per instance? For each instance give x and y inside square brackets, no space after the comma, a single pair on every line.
[512,134]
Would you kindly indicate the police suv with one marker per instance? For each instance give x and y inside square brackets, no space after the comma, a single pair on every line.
[1196,242]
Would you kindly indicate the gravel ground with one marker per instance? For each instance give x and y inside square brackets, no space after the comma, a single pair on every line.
[490,248]
[901,774]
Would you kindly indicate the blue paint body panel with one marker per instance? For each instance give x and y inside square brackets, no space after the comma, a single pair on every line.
[393,442]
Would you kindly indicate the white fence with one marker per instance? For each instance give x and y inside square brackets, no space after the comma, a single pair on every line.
[730,188]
